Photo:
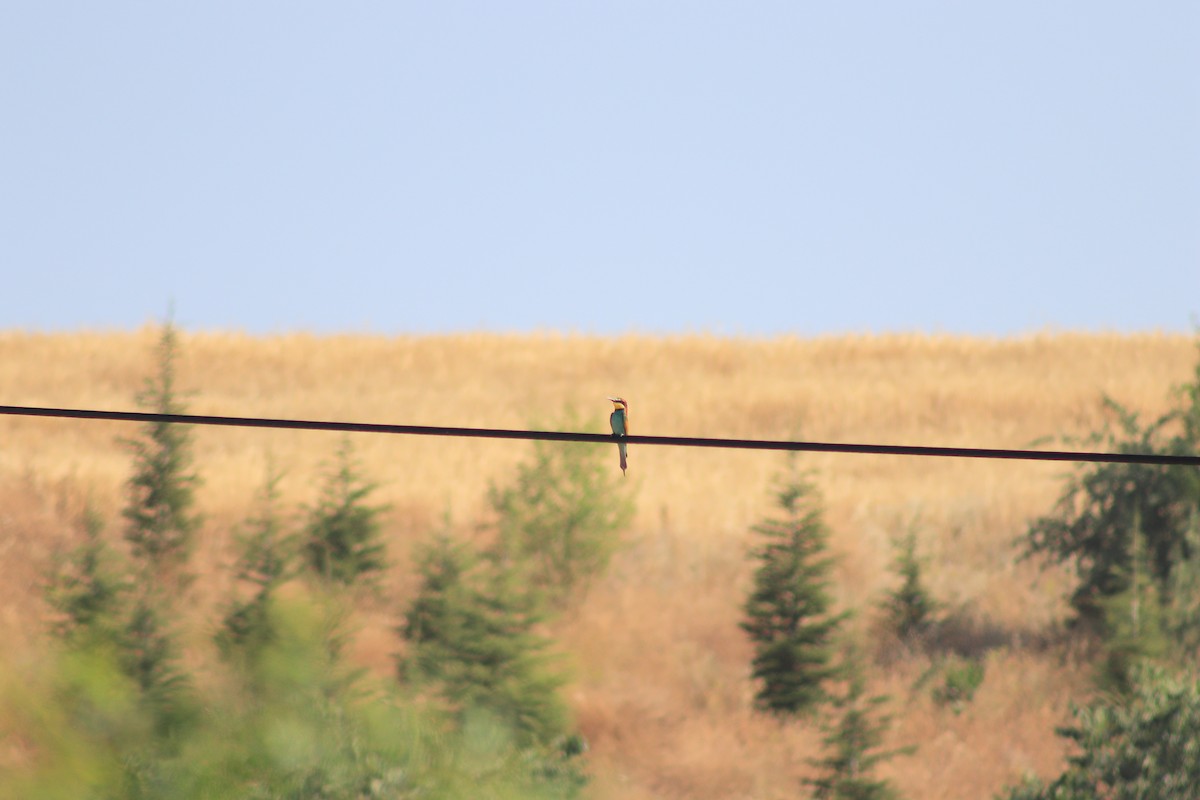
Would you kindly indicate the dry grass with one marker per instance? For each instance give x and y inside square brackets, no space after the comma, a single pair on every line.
[661,685]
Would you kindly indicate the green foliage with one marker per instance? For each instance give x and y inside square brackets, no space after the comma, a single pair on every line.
[291,722]
[470,631]
[1132,623]
[1142,745]
[88,585]
[116,713]
[1189,410]
[264,563]
[960,680]
[103,610]
[1181,605]
[1132,533]
[80,718]
[909,611]
[342,541]
[148,654]
[853,745]
[160,520]
[1106,506]
[559,519]
[787,614]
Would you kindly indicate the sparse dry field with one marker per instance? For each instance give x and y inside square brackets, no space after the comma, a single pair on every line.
[660,666]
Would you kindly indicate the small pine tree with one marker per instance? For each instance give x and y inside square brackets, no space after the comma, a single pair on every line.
[909,610]
[264,564]
[558,521]
[853,745]
[160,521]
[342,538]
[148,654]
[89,587]
[788,612]
[471,633]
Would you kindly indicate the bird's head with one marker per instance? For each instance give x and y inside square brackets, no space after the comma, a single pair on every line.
[619,403]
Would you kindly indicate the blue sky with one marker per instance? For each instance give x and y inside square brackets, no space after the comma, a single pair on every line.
[740,168]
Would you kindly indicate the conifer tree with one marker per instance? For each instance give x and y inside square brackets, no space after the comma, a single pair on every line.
[854,745]
[788,613]
[471,634]
[148,654]
[909,609]
[559,519]
[160,521]
[89,586]
[342,538]
[263,565]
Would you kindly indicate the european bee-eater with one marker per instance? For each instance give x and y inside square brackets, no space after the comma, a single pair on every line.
[619,420]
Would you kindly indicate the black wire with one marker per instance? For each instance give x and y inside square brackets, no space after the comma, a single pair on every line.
[558,436]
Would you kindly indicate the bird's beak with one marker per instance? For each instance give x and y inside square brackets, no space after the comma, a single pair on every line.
[614,399]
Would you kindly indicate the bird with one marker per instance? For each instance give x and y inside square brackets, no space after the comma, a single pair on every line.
[619,420]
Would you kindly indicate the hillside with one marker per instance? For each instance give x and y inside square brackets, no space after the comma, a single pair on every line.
[660,688]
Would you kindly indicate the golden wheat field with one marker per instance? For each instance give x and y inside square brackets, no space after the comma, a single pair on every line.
[659,667]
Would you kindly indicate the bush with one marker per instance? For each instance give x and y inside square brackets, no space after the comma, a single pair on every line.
[292,722]
[960,680]
[1108,510]
[1132,623]
[1143,745]
[1105,506]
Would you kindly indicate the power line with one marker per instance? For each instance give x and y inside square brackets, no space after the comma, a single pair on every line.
[598,438]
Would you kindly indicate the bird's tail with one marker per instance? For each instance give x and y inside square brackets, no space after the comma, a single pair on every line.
[624,456]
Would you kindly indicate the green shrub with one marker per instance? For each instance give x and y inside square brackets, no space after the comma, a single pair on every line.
[1141,745]
[1133,623]
[292,721]
[960,680]
[1105,508]
[1132,532]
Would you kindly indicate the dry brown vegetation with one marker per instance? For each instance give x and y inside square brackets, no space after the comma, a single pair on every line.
[660,667]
